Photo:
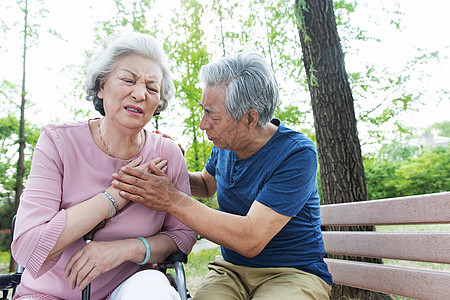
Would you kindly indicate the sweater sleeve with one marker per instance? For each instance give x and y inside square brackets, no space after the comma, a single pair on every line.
[40,220]
[182,235]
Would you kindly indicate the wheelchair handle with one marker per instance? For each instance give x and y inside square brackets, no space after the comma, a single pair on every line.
[90,235]
[5,281]
[8,281]
[86,293]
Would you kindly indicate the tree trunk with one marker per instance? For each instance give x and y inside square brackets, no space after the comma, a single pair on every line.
[340,159]
[20,162]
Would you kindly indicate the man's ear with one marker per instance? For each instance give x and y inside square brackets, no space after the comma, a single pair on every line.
[252,118]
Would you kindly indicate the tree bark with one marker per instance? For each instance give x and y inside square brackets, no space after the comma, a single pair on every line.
[339,150]
[20,162]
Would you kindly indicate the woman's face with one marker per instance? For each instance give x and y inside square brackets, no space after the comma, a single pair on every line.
[131,92]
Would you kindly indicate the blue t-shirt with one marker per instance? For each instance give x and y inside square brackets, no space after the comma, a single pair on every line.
[283,176]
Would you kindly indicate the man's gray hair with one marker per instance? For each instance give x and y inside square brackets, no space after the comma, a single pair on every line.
[102,64]
[249,81]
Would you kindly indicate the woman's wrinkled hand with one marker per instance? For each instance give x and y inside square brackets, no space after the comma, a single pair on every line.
[93,259]
[158,162]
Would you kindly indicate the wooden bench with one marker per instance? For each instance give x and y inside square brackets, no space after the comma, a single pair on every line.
[419,246]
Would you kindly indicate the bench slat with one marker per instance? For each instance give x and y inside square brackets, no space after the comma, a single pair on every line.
[416,246]
[422,209]
[407,282]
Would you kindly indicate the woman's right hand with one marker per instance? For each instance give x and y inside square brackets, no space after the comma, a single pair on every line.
[94,259]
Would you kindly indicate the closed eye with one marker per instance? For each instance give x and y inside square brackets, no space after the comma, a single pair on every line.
[128,80]
[152,89]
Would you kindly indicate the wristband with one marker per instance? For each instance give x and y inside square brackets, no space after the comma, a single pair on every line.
[147,251]
[113,202]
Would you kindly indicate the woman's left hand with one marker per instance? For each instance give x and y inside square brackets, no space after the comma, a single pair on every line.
[145,167]
[152,189]
[93,259]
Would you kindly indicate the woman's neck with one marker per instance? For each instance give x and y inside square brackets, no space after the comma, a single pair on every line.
[116,143]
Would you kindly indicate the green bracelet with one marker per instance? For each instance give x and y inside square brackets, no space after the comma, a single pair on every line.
[147,251]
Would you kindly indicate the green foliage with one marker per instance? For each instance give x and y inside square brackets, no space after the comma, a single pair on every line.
[426,173]
[380,178]
[4,262]
[397,151]
[9,135]
[189,53]
[441,129]
[8,92]
[5,242]
[133,15]
[405,172]
[196,161]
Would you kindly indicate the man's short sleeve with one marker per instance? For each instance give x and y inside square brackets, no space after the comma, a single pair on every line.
[210,165]
[292,183]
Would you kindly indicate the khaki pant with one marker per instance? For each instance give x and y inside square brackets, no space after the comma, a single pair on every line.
[228,281]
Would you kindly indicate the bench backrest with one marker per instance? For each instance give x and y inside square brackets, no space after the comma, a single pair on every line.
[424,246]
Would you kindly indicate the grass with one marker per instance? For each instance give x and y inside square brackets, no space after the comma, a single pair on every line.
[421,227]
[196,268]
[4,262]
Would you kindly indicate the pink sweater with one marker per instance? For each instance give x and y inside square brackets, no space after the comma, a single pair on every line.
[68,168]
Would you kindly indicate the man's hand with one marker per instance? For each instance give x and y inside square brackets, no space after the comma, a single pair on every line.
[169,137]
[146,185]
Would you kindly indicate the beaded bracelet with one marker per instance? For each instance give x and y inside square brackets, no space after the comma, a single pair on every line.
[113,202]
[147,251]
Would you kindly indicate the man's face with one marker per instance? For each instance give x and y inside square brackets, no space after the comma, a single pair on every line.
[220,127]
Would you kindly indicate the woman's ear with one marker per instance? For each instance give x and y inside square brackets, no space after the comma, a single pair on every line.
[101,85]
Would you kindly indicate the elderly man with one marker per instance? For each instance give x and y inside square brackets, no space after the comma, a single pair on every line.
[264,174]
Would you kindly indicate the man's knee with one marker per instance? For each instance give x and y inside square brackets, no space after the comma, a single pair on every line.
[221,283]
[293,285]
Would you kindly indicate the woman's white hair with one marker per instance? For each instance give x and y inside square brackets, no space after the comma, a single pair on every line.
[102,64]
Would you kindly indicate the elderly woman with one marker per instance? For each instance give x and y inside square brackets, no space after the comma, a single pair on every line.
[69,190]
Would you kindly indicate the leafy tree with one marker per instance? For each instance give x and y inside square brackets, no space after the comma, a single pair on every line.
[137,15]
[20,162]
[426,173]
[381,178]
[189,53]
[31,27]
[9,136]
[401,170]
[294,118]
[275,21]
[8,93]
[203,147]
[441,129]
[397,151]
[225,32]
[193,164]
[380,169]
